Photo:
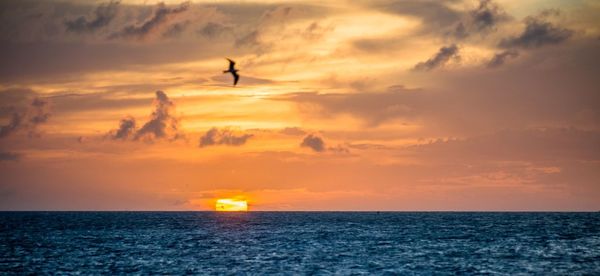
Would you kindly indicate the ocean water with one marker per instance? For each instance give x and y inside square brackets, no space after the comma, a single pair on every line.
[299,243]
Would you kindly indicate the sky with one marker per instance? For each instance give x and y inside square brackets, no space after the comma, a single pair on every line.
[399,105]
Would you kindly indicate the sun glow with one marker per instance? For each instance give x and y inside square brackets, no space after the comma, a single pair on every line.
[231,205]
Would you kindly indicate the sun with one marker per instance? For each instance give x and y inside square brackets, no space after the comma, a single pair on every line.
[231,205]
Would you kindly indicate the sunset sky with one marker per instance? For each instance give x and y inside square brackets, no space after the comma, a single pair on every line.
[342,105]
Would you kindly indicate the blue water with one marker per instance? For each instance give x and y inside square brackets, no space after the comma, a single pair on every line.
[299,243]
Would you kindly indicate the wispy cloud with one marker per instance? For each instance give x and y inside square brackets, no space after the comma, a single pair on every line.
[538,32]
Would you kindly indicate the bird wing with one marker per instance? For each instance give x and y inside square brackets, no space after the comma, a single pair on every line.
[231,64]
[236,77]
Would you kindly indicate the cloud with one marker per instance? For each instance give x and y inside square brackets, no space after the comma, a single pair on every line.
[9,156]
[501,57]
[482,19]
[443,18]
[162,124]
[439,59]
[470,101]
[126,129]
[13,125]
[35,114]
[36,44]
[313,142]
[104,14]
[162,15]
[38,111]
[223,137]
[487,15]
[10,98]
[317,144]
[538,32]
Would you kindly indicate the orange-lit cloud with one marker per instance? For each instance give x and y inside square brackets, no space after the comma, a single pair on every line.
[344,105]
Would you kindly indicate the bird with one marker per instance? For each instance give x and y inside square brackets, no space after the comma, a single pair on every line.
[233,71]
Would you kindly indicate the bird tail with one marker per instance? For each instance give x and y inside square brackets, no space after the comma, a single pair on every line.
[226,71]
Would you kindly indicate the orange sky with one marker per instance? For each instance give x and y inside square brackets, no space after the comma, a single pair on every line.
[348,105]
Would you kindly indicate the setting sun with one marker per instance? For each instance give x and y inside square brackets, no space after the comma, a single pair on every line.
[231,205]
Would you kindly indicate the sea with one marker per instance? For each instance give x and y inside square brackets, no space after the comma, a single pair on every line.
[299,243]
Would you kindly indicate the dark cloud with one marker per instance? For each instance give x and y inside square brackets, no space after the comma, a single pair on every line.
[500,58]
[35,114]
[162,15]
[215,136]
[539,31]
[317,144]
[104,14]
[487,15]
[126,129]
[162,124]
[313,142]
[480,20]
[439,59]
[9,156]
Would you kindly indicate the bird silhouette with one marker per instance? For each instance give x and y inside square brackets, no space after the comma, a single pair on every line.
[233,71]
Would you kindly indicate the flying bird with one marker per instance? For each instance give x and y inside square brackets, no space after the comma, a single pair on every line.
[233,71]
